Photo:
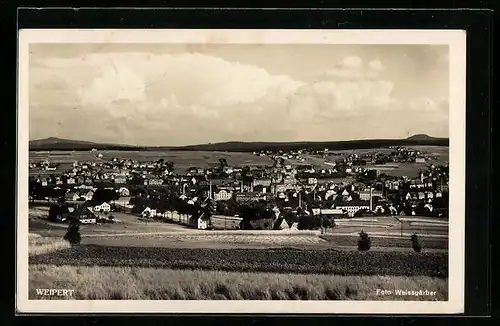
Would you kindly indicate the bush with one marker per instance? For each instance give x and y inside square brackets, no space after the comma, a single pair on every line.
[308,222]
[364,242]
[417,247]
[262,224]
[328,223]
[73,234]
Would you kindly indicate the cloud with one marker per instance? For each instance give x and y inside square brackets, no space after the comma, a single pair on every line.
[351,62]
[353,67]
[196,79]
[376,65]
[348,90]
[115,82]
[153,93]
[188,98]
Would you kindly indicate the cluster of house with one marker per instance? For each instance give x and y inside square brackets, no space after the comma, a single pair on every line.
[397,154]
[115,171]
[286,185]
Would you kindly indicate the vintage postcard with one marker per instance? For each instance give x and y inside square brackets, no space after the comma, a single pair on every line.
[241,171]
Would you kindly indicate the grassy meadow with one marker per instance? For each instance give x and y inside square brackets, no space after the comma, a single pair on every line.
[131,283]
[42,245]
[99,272]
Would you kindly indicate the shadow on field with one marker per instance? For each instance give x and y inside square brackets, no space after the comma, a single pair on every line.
[283,260]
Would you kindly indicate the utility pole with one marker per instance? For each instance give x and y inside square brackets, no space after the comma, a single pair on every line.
[401,223]
[371,200]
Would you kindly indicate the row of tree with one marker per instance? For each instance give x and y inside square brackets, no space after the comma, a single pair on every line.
[364,242]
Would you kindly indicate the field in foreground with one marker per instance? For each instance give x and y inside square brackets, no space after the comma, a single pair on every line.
[43,245]
[115,283]
[278,260]
[129,273]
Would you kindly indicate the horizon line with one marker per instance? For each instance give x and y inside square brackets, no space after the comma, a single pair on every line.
[235,141]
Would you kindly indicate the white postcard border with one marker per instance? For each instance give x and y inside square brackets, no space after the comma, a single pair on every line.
[455,39]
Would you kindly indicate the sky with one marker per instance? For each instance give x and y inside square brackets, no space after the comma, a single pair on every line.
[182,94]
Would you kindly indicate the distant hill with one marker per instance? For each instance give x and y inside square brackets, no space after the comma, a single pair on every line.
[332,145]
[54,143]
[421,137]
[235,146]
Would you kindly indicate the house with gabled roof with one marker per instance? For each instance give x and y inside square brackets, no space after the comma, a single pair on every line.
[281,224]
[88,195]
[103,207]
[85,214]
[71,196]
[148,212]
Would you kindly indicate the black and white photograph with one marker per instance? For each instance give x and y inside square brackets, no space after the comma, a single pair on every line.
[275,171]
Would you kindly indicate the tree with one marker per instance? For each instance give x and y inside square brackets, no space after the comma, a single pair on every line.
[105,195]
[223,162]
[407,208]
[209,210]
[170,166]
[34,188]
[420,209]
[54,213]
[416,243]
[222,208]
[73,234]
[290,217]
[52,178]
[309,222]
[246,175]
[364,242]
[333,224]
[327,223]
[368,177]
